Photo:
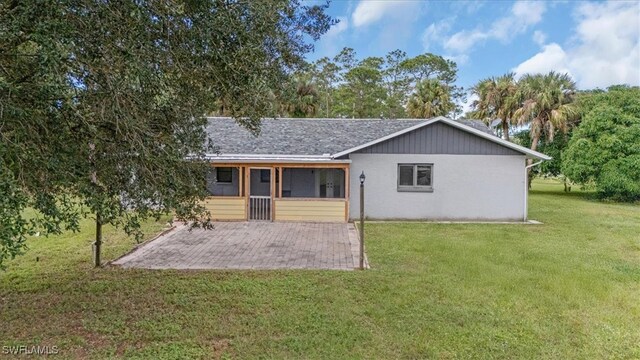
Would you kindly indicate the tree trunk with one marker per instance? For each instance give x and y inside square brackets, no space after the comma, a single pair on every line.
[98,244]
[567,186]
[505,129]
[534,142]
[534,146]
[328,110]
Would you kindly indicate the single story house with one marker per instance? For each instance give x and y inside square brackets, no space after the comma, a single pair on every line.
[308,170]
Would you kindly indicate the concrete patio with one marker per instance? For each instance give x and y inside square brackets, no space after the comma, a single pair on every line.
[250,245]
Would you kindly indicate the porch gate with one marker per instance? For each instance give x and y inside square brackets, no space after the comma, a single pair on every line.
[259,207]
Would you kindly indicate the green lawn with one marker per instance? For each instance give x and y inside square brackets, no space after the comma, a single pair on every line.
[567,289]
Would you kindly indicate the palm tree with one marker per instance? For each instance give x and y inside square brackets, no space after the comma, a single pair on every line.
[308,98]
[497,99]
[431,98]
[304,101]
[547,104]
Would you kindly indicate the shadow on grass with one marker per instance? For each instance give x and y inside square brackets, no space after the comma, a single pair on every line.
[556,188]
[550,187]
[586,195]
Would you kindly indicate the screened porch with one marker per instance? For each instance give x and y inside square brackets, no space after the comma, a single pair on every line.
[279,192]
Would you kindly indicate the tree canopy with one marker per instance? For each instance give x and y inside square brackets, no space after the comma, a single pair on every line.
[376,87]
[605,149]
[101,102]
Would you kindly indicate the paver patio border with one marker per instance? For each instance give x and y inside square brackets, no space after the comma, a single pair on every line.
[528,222]
[138,246]
[355,247]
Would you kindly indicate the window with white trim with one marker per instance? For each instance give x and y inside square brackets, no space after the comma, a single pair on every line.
[415,177]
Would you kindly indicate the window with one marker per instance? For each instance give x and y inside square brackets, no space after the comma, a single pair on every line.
[224,175]
[265,175]
[415,177]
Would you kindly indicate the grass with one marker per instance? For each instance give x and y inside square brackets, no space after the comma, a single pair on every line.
[567,289]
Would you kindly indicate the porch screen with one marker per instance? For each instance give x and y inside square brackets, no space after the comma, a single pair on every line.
[313,183]
[223,181]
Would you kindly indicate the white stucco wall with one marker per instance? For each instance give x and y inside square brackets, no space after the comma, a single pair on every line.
[465,187]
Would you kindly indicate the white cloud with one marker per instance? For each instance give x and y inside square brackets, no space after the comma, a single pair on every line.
[523,15]
[552,57]
[462,41]
[529,12]
[604,51]
[459,59]
[435,33]
[333,40]
[368,12]
[539,37]
[338,28]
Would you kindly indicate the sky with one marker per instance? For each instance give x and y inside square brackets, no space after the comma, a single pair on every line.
[597,43]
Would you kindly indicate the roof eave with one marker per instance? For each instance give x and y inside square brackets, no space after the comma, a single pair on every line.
[542,157]
[272,158]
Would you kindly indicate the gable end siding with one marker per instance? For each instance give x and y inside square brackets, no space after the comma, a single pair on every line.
[438,138]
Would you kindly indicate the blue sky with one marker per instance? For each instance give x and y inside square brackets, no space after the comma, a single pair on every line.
[598,43]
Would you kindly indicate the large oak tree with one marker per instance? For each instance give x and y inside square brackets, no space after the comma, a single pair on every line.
[604,151]
[101,102]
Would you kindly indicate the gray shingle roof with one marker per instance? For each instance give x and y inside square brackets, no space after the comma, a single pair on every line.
[476,124]
[306,136]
